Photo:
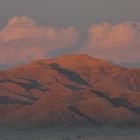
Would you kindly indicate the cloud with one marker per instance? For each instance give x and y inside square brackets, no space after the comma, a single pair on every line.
[120,42]
[22,40]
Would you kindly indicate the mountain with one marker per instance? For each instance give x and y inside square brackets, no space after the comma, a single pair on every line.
[72,89]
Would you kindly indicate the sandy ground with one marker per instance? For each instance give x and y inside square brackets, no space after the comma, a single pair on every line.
[83,133]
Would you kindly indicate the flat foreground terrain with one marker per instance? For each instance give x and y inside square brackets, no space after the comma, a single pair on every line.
[71,134]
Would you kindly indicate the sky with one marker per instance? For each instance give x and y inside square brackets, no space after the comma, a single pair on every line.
[37,29]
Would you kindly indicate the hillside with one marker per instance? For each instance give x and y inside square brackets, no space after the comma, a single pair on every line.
[72,89]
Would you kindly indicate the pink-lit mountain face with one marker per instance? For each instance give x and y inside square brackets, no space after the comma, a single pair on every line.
[69,90]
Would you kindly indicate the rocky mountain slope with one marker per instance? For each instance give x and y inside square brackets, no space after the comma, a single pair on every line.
[72,89]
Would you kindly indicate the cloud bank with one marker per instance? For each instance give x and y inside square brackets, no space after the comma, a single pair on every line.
[22,40]
[120,42]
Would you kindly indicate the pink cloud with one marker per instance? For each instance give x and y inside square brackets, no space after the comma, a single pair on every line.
[23,40]
[120,42]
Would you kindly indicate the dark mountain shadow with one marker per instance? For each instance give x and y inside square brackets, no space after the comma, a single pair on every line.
[7,100]
[31,84]
[30,97]
[118,102]
[71,75]
[73,87]
[78,112]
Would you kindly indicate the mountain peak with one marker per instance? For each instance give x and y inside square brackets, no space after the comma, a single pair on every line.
[82,56]
[71,61]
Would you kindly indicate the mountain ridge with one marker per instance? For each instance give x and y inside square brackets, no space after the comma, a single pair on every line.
[70,89]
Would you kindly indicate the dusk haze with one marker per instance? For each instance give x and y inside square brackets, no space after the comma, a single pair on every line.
[69,69]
